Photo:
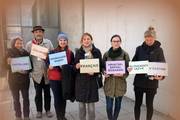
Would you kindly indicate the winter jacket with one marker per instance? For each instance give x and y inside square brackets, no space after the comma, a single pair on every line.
[55,73]
[152,53]
[86,86]
[65,74]
[115,86]
[17,80]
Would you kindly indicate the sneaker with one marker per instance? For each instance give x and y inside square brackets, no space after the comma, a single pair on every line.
[18,118]
[26,118]
[39,115]
[49,114]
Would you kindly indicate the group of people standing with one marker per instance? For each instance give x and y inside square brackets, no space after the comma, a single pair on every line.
[82,87]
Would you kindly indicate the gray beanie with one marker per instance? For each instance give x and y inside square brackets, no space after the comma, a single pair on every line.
[150,32]
[62,35]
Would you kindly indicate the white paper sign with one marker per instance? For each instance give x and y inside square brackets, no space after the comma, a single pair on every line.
[139,67]
[58,59]
[114,67]
[156,68]
[39,51]
[89,66]
[20,64]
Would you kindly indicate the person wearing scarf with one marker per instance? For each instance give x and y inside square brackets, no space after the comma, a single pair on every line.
[115,84]
[86,87]
[143,84]
[39,73]
[19,81]
[56,77]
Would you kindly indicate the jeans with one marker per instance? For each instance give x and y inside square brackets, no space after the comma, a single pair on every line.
[109,107]
[38,96]
[82,111]
[16,101]
[59,102]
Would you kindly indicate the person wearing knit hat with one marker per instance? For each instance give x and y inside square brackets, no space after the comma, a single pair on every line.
[62,35]
[60,77]
[150,32]
[151,51]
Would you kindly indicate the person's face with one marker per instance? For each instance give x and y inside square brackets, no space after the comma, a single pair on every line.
[18,44]
[115,43]
[86,41]
[63,43]
[149,40]
[38,34]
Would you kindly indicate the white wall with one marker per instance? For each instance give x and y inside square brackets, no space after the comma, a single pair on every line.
[130,19]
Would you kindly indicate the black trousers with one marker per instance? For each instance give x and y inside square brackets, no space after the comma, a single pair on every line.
[59,101]
[150,94]
[38,97]
[16,100]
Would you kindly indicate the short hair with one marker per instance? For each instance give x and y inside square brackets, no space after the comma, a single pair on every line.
[116,35]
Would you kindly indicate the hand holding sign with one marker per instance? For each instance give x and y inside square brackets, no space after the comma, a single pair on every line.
[78,65]
[157,77]
[118,75]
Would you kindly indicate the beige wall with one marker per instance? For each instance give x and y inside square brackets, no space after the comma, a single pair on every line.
[71,20]
[130,18]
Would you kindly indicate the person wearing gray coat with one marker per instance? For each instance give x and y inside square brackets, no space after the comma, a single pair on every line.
[39,73]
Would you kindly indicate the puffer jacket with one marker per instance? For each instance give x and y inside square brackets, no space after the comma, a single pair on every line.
[152,53]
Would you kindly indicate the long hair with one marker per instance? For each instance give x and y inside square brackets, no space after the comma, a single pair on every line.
[13,41]
[84,34]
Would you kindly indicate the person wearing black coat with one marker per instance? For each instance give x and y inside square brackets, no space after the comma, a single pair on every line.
[150,50]
[18,81]
[86,84]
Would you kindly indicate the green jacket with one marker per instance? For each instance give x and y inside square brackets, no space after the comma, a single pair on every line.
[116,86]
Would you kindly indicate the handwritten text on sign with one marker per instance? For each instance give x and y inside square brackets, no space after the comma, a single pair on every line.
[89,66]
[139,67]
[156,68]
[58,59]
[20,64]
[39,51]
[114,67]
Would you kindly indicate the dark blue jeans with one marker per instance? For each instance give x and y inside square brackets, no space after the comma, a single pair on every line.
[16,101]
[109,107]
[59,102]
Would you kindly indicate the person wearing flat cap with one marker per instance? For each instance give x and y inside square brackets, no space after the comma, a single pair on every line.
[39,73]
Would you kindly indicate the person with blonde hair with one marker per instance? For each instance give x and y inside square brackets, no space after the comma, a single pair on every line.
[86,85]
[144,84]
